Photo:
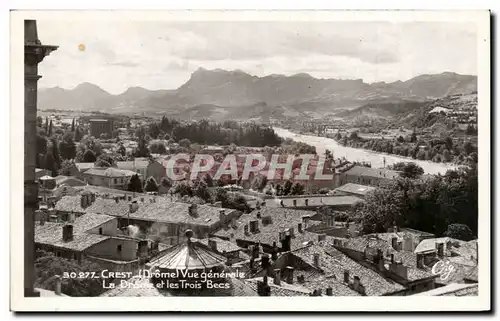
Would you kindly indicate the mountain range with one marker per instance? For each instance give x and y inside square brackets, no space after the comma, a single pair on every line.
[238,95]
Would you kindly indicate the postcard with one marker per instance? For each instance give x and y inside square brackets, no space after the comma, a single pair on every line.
[250,161]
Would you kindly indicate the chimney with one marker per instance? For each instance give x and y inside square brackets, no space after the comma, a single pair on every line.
[142,199]
[83,201]
[408,244]
[392,258]
[117,200]
[212,244]
[395,229]
[259,215]
[356,283]
[294,202]
[129,198]
[321,237]
[299,228]
[193,210]
[222,215]
[289,275]
[286,243]
[277,276]
[67,232]
[264,262]
[306,201]
[42,218]
[440,249]
[292,232]
[254,226]
[245,229]
[301,279]
[58,285]
[263,289]
[317,260]
[92,198]
[142,248]
[305,220]
[329,291]
[346,276]
[394,243]
[420,260]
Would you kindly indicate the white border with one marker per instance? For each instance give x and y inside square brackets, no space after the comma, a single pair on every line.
[481,302]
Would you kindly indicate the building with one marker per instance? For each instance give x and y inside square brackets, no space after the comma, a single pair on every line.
[351,189]
[101,126]
[34,53]
[137,166]
[108,177]
[92,237]
[367,176]
[312,202]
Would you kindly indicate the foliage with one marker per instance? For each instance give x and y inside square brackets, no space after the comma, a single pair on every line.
[47,265]
[105,160]
[67,167]
[134,184]
[185,142]
[459,231]
[407,169]
[429,204]
[297,189]
[157,148]
[151,185]
[89,156]
[67,147]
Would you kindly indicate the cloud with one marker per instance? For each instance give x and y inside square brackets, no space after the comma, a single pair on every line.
[124,64]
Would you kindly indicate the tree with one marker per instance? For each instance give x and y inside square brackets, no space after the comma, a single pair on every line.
[166,183]
[157,148]
[460,232]
[67,147]
[49,133]
[413,138]
[208,180]
[39,121]
[78,134]
[105,161]
[89,156]
[446,155]
[67,167]
[134,184]
[104,136]
[354,136]
[142,149]
[185,142]
[401,139]
[287,188]
[182,188]
[73,125]
[47,265]
[46,126]
[122,150]
[407,169]
[151,185]
[200,190]
[297,189]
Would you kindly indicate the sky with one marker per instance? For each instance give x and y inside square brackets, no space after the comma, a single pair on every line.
[162,55]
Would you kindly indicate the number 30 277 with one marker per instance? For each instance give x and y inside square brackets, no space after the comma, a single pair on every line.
[80,275]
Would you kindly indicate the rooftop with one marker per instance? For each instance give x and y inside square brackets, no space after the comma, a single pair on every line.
[164,210]
[372,172]
[109,172]
[281,219]
[452,289]
[222,245]
[314,201]
[70,204]
[133,165]
[355,189]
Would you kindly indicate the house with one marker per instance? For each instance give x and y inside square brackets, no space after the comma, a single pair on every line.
[108,177]
[230,250]
[367,176]
[312,202]
[82,168]
[101,126]
[352,189]
[136,166]
[166,220]
[73,206]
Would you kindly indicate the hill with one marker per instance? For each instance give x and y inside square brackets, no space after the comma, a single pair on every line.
[216,90]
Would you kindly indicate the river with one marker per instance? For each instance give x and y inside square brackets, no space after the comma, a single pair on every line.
[356,154]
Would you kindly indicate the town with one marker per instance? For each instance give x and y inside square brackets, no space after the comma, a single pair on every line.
[112,194]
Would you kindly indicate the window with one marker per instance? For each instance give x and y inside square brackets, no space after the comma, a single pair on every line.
[119,248]
[100,230]
[75,257]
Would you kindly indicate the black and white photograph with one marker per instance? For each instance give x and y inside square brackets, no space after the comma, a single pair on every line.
[177,156]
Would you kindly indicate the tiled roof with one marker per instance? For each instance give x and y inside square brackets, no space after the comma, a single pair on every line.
[164,210]
[355,188]
[70,204]
[68,180]
[222,245]
[281,220]
[109,207]
[84,166]
[100,190]
[334,263]
[457,251]
[372,172]
[315,201]
[51,233]
[109,172]
[323,282]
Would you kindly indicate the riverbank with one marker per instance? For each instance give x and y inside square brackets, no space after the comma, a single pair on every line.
[376,159]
